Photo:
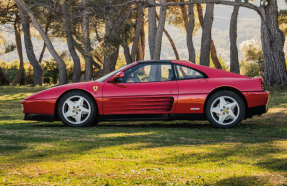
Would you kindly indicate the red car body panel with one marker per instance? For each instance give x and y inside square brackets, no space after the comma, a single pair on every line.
[55,93]
[254,99]
[139,98]
[167,97]
[39,106]
[140,105]
[190,103]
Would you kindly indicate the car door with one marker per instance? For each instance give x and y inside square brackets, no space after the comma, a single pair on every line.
[192,94]
[147,88]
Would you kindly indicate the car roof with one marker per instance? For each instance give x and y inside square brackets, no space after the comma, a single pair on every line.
[155,61]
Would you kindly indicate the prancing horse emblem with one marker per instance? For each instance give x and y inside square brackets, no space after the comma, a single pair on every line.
[95,88]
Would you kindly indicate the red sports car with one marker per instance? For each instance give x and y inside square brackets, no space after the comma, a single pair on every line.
[153,90]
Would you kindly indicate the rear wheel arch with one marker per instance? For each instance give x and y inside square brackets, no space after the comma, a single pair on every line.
[56,117]
[226,88]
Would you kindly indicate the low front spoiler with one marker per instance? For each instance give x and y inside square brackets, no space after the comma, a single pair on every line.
[39,117]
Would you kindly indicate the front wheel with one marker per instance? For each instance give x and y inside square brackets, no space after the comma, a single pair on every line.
[76,109]
[225,109]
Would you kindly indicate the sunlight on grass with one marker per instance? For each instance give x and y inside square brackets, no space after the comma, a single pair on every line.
[124,135]
[141,153]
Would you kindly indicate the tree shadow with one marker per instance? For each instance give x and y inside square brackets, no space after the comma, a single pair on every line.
[274,164]
[155,125]
[148,135]
[242,181]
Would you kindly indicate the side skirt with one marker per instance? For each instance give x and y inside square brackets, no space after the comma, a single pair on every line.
[151,117]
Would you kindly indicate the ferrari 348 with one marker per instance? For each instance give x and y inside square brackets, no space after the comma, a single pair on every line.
[153,90]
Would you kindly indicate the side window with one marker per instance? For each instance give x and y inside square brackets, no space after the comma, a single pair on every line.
[149,72]
[184,72]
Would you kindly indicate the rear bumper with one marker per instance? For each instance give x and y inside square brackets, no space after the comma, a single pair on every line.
[255,99]
[258,110]
[39,117]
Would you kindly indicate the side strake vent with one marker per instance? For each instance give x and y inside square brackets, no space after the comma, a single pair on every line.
[263,87]
[139,105]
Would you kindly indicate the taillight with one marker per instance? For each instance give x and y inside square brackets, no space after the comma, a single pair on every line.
[263,87]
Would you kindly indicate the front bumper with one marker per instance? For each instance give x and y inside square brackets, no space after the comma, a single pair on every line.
[39,117]
[38,106]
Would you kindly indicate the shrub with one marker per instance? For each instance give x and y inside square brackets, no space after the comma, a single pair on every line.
[48,80]
[251,69]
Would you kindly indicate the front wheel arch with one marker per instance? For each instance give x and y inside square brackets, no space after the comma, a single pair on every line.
[56,117]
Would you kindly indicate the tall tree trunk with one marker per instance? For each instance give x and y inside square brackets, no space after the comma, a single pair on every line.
[98,57]
[234,64]
[42,53]
[184,15]
[141,44]
[79,48]
[102,44]
[171,41]
[155,73]
[206,35]
[127,52]
[60,62]
[87,44]
[20,74]
[3,79]
[38,71]
[189,34]
[76,59]
[111,59]
[140,54]
[272,44]
[143,37]
[212,46]
[151,28]
[213,54]
[159,32]
[137,34]
[98,73]
[172,44]
[46,31]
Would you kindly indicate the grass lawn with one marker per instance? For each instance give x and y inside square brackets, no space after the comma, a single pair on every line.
[142,153]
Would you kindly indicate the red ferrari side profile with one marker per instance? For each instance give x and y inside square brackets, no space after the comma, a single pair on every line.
[153,90]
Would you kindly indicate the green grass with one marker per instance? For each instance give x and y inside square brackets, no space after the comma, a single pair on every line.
[141,153]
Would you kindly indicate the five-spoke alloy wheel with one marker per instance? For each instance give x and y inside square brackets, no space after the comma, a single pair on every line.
[225,109]
[77,109]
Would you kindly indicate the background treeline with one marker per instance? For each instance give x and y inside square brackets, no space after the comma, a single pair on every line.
[104,35]
[50,70]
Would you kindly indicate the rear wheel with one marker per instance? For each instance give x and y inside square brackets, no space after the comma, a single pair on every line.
[225,109]
[77,109]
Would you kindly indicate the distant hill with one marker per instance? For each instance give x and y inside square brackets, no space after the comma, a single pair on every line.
[248,27]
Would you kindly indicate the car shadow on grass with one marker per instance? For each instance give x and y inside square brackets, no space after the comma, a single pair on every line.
[133,126]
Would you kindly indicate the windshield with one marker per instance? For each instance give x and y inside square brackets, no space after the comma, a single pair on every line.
[112,73]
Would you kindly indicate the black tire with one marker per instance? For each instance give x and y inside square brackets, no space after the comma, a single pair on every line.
[214,118]
[88,119]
